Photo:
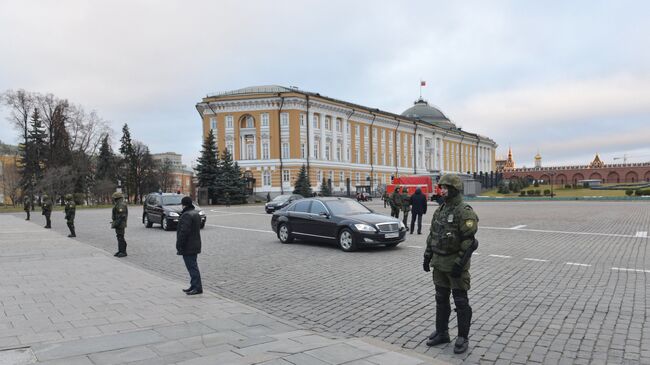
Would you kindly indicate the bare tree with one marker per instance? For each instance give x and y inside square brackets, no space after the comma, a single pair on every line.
[21,105]
[165,176]
[56,182]
[86,130]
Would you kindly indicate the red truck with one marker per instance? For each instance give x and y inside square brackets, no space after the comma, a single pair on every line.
[426,183]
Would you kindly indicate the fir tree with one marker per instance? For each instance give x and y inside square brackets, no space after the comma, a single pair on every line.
[105,161]
[303,187]
[34,153]
[325,189]
[208,167]
[128,161]
[60,154]
[230,181]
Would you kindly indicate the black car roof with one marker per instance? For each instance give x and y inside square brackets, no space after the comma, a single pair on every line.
[330,198]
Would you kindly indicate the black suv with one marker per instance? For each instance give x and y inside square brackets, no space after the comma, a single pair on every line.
[165,209]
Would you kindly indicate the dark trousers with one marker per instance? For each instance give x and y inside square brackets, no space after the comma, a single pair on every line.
[121,242]
[405,220]
[48,222]
[394,212]
[419,218]
[71,228]
[27,211]
[193,268]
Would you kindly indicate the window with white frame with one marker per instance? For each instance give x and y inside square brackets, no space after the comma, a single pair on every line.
[338,152]
[358,177]
[230,146]
[331,177]
[284,119]
[303,120]
[347,127]
[213,123]
[286,176]
[327,123]
[366,156]
[265,151]
[327,151]
[265,119]
[319,176]
[357,130]
[303,150]
[383,135]
[358,156]
[285,150]
[316,149]
[266,178]
[315,123]
[347,153]
[250,123]
[366,134]
[338,125]
[229,121]
[341,177]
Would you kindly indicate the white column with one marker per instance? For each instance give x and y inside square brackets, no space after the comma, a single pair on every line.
[310,121]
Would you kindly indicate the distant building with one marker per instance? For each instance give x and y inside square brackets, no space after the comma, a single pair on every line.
[596,170]
[272,131]
[181,178]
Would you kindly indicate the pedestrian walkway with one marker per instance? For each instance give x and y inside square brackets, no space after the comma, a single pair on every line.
[65,302]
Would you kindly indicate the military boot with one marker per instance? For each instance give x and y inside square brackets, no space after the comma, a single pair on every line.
[436,338]
[464,317]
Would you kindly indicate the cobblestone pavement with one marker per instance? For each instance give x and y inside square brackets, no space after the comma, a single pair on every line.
[553,282]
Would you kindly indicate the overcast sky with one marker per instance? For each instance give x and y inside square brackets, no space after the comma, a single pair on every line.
[565,78]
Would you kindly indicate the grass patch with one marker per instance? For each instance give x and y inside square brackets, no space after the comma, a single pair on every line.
[560,191]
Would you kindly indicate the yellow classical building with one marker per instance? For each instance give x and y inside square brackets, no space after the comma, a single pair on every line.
[272,131]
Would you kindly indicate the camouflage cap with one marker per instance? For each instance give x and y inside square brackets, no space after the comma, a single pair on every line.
[68,197]
[452,180]
[118,195]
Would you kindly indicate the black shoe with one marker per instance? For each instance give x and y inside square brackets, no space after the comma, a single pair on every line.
[48,227]
[461,345]
[411,232]
[120,254]
[188,290]
[438,338]
[419,232]
[72,235]
[194,292]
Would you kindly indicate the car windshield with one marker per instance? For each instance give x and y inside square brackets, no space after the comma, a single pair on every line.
[172,200]
[346,207]
[281,198]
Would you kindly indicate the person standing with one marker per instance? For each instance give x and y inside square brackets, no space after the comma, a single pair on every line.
[384,197]
[449,248]
[395,202]
[406,206]
[418,209]
[27,205]
[46,210]
[120,216]
[188,244]
[70,209]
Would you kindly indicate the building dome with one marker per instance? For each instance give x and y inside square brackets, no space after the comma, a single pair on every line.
[422,110]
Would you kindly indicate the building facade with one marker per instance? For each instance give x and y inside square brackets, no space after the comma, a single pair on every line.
[180,177]
[272,131]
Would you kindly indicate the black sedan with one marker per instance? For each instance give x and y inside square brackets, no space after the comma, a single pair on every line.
[340,220]
[280,202]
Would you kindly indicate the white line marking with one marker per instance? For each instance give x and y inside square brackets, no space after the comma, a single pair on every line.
[518,227]
[577,264]
[501,256]
[564,232]
[239,228]
[537,260]
[475,253]
[634,270]
[642,234]
[414,246]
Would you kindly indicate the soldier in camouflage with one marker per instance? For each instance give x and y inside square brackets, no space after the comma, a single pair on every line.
[70,210]
[46,210]
[449,249]
[120,215]
[395,202]
[406,206]
[27,204]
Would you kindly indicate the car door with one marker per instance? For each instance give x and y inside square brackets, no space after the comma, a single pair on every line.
[321,224]
[157,208]
[299,216]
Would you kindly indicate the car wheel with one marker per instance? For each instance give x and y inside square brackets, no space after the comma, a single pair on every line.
[146,221]
[346,240]
[284,234]
[164,224]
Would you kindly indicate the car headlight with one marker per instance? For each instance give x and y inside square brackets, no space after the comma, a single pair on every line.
[364,227]
[401,225]
[201,212]
[173,214]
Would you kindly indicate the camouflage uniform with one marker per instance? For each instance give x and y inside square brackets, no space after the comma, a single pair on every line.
[120,215]
[406,206]
[449,248]
[70,210]
[46,210]
[395,202]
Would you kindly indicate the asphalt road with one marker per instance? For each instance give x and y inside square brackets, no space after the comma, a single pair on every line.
[552,282]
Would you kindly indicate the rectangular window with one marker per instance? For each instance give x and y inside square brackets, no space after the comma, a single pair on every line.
[347,154]
[213,123]
[347,127]
[357,131]
[229,147]
[265,151]
[374,134]
[315,123]
[303,150]
[358,177]
[327,123]
[284,119]
[316,149]
[338,152]
[265,119]
[285,176]
[229,121]
[285,150]
[338,125]
[358,156]
[303,120]
[327,151]
[366,156]
[266,177]
[365,132]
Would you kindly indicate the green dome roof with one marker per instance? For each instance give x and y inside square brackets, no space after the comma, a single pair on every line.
[422,110]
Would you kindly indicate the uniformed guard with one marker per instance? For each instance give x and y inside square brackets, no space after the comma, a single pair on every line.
[384,197]
[70,210]
[120,216]
[395,202]
[46,210]
[450,245]
[406,206]
[27,205]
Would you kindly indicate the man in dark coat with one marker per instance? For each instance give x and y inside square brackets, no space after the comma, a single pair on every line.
[418,209]
[188,244]
[27,204]
[46,210]
[119,215]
